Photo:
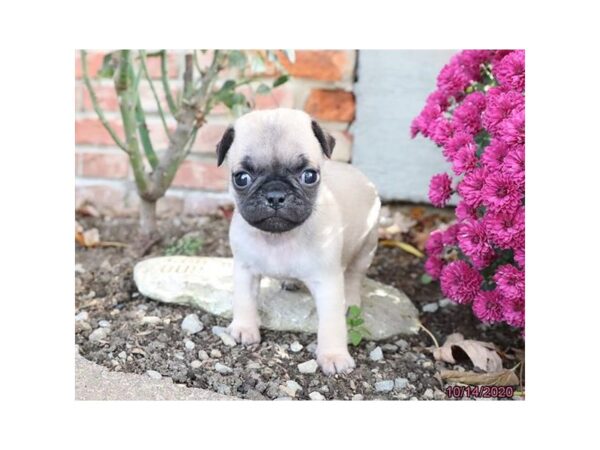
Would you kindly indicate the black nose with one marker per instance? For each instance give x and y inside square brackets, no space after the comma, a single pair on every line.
[276,199]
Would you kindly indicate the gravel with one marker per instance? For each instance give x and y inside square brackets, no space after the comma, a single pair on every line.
[99,334]
[222,368]
[191,324]
[224,336]
[296,346]
[376,354]
[308,366]
[316,396]
[384,386]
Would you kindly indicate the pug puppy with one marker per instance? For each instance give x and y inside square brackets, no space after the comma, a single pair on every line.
[298,216]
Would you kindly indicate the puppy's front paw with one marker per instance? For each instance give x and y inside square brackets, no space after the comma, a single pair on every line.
[244,333]
[335,362]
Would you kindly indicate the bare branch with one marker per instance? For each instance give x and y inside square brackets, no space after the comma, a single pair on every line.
[152,88]
[96,105]
[165,81]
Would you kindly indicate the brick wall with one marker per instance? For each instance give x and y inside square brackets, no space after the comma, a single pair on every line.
[321,84]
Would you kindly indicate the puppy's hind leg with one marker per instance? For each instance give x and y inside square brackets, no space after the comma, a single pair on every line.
[356,270]
[246,286]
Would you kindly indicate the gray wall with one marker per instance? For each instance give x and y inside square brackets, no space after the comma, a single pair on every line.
[391,90]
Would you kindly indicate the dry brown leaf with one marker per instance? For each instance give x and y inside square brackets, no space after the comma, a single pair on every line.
[403,245]
[87,209]
[504,377]
[482,354]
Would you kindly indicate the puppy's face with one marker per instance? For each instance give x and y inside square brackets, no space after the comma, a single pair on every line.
[274,159]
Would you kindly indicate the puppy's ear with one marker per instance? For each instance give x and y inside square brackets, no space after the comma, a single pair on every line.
[224,144]
[326,140]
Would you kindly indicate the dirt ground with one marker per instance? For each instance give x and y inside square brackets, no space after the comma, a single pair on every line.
[142,335]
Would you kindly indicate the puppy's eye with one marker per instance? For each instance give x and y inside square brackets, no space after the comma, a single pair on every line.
[309,176]
[242,179]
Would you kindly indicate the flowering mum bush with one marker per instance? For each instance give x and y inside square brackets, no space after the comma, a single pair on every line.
[477,116]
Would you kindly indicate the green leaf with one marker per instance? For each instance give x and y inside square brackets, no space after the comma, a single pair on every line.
[237,59]
[228,85]
[354,312]
[263,89]
[281,80]
[355,337]
[108,66]
[358,321]
[426,279]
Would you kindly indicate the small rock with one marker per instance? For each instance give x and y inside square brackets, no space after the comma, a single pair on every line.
[179,355]
[427,364]
[222,368]
[402,344]
[293,385]
[223,389]
[99,334]
[196,364]
[151,320]
[357,397]
[428,394]
[224,336]
[214,353]
[352,385]
[104,324]
[122,355]
[296,346]
[400,383]
[189,345]
[439,395]
[316,396]
[153,374]
[389,348]
[283,398]
[430,307]
[444,302]
[290,388]
[312,347]
[308,366]
[191,324]
[384,386]
[203,355]
[253,366]
[412,376]
[79,268]
[324,388]
[376,354]
[83,315]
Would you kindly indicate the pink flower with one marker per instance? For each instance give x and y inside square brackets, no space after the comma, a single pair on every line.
[425,121]
[440,189]
[435,244]
[514,312]
[460,282]
[510,71]
[510,281]
[442,131]
[494,154]
[471,186]
[501,192]
[453,80]
[512,130]
[458,140]
[514,163]
[450,235]
[473,240]
[497,55]
[434,266]
[520,256]
[467,115]
[487,306]
[465,211]
[471,61]
[465,159]
[501,105]
[506,229]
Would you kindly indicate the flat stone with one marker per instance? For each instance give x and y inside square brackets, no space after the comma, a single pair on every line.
[207,283]
[309,366]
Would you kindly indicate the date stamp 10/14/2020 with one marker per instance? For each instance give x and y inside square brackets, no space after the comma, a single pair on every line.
[480,391]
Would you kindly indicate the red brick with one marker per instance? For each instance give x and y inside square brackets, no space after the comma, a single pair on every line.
[325,65]
[103,165]
[95,58]
[332,105]
[208,136]
[201,175]
[91,132]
